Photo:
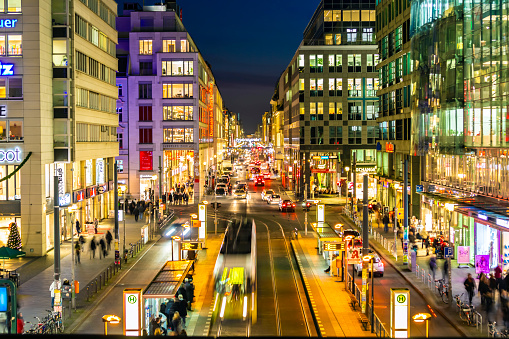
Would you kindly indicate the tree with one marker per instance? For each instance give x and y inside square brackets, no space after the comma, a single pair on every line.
[14,240]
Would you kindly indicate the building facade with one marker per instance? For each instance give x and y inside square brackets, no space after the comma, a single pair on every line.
[395,120]
[329,101]
[174,126]
[57,103]
[459,51]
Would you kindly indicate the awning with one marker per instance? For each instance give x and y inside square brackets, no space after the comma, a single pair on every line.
[168,280]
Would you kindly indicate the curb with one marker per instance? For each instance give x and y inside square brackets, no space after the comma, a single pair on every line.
[315,322]
[417,289]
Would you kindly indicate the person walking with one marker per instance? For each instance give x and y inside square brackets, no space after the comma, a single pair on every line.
[189,292]
[131,207]
[385,221]
[171,308]
[445,270]
[177,323]
[433,266]
[126,205]
[93,246]
[102,250]
[469,287]
[483,287]
[186,198]
[109,239]
[488,302]
[136,214]
[170,198]
[96,224]
[141,209]
[52,289]
[182,309]
[77,250]
[498,276]
[20,324]
[78,228]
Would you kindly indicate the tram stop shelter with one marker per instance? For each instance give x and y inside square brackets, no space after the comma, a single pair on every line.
[164,286]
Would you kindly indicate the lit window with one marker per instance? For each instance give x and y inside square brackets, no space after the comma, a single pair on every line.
[15,130]
[336,15]
[3,130]
[337,39]
[365,15]
[301,60]
[14,44]
[351,35]
[320,84]
[13,6]
[168,46]
[2,44]
[331,84]
[301,84]
[145,46]
[184,46]
[3,89]
[327,15]
[328,39]
[312,60]
[312,84]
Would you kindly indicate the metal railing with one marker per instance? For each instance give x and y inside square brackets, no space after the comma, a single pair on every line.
[100,281]
[377,326]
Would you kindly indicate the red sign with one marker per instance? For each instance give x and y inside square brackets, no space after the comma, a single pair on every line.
[79,196]
[389,148]
[145,160]
[321,170]
[91,192]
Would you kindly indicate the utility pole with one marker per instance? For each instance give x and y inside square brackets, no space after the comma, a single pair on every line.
[305,208]
[115,202]
[405,212]
[56,244]
[365,242]
[354,193]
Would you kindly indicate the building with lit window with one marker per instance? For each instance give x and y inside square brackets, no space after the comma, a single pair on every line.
[57,116]
[460,127]
[395,120]
[328,96]
[174,124]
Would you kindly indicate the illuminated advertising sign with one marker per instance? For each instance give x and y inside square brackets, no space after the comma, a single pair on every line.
[6,69]
[400,315]
[8,23]
[132,311]
[10,156]
[145,160]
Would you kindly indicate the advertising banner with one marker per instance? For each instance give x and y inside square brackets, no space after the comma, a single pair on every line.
[145,160]
[482,263]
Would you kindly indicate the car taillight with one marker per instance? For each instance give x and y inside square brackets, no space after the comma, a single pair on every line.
[284,205]
[293,205]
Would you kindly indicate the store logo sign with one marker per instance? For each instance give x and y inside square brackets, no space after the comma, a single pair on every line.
[10,156]
[482,216]
[503,223]
[3,111]
[8,23]
[6,69]
[64,200]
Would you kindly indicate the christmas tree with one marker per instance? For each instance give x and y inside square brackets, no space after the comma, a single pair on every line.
[14,240]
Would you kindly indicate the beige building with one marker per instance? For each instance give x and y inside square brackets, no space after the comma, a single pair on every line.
[57,115]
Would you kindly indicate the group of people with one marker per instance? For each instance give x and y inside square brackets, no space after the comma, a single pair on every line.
[173,312]
[138,208]
[487,287]
[179,196]
[103,244]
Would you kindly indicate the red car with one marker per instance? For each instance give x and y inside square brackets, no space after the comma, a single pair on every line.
[259,181]
[286,206]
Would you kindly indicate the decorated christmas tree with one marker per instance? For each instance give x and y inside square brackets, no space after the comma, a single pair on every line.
[14,240]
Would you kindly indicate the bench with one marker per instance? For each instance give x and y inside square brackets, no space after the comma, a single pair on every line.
[364,321]
[353,301]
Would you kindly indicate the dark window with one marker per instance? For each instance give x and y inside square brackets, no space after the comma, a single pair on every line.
[145,91]
[146,68]
[119,90]
[145,135]
[145,113]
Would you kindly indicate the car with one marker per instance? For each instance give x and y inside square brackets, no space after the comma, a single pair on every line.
[259,181]
[266,175]
[221,191]
[350,231]
[266,193]
[240,193]
[273,199]
[378,265]
[286,206]
[226,177]
[241,187]
[223,181]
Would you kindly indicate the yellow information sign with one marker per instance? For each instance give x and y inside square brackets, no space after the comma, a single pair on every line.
[328,246]
[191,246]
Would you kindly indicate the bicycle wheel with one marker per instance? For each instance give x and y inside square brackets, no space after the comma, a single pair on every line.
[445,297]
[463,316]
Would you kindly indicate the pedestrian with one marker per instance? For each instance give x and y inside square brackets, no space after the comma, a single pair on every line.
[189,292]
[498,275]
[52,289]
[81,240]
[177,323]
[171,308]
[445,269]
[77,249]
[186,198]
[153,325]
[136,214]
[126,205]
[141,209]
[469,287]
[400,235]
[433,266]
[109,239]
[102,243]
[131,207]
[483,287]
[488,302]
[182,309]
[504,300]
[182,291]
[20,324]
[96,224]
[78,228]
[93,246]
[170,197]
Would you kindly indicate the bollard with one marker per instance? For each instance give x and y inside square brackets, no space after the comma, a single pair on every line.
[88,294]
[95,285]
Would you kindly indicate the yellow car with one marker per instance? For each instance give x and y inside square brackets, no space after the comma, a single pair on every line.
[240,193]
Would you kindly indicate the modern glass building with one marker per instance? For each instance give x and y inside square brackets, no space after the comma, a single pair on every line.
[328,96]
[394,120]
[460,87]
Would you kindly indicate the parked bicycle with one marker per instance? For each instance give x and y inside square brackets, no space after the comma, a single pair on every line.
[467,312]
[443,290]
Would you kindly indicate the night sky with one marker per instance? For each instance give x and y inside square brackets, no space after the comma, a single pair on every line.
[248,44]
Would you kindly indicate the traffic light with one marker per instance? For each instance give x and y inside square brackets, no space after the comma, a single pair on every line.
[216,205]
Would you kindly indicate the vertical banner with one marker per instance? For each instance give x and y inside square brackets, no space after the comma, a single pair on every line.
[400,313]
[202,217]
[482,263]
[132,311]
[364,284]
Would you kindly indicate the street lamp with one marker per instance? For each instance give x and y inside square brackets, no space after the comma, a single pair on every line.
[371,258]
[112,319]
[347,239]
[423,317]
[123,189]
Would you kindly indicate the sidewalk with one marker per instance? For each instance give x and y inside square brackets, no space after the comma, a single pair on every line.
[420,283]
[327,296]
[37,273]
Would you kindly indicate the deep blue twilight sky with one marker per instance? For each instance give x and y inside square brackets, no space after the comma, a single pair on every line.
[247,43]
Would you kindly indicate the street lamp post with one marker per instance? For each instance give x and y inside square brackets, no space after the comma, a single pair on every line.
[347,239]
[423,317]
[347,169]
[371,259]
[110,318]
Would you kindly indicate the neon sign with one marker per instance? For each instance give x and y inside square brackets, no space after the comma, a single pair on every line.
[10,156]
[6,69]
[8,23]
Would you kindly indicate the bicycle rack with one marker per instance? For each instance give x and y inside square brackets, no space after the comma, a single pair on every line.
[478,320]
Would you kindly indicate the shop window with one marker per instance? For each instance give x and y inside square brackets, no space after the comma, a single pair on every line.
[3,88]
[13,6]
[146,47]
[15,130]
[13,44]
[3,130]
